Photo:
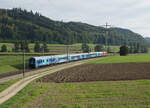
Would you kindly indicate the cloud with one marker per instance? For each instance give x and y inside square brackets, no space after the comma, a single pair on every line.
[131,14]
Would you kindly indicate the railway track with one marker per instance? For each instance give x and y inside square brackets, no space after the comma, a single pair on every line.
[18,86]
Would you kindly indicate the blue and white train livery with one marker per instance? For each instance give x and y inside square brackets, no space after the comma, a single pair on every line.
[36,62]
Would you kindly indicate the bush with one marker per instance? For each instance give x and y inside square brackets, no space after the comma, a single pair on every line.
[85,48]
[4,48]
[99,48]
[123,51]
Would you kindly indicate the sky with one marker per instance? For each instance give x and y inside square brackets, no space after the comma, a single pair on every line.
[130,14]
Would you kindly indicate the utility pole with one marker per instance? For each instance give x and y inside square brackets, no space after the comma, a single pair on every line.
[68,42]
[23,63]
[68,52]
[43,50]
[106,26]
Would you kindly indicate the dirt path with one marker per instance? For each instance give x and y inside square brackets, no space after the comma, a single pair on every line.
[15,88]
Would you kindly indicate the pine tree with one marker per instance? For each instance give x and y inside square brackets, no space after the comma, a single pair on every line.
[4,48]
[37,47]
[16,46]
[26,46]
[45,48]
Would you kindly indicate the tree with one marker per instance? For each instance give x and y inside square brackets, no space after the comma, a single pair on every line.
[4,48]
[99,48]
[37,47]
[138,45]
[16,46]
[44,48]
[144,49]
[123,50]
[108,49]
[25,46]
[85,48]
[131,49]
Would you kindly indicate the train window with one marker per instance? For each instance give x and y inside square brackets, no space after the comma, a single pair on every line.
[53,59]
[47,60]
[75,57]
[62,58]
[32,61]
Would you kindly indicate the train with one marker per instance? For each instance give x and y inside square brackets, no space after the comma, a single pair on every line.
[36,62]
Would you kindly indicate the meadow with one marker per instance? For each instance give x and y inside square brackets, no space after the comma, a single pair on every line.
[108,94]
[61,48]
[137,58]
[99,94]
[12,63]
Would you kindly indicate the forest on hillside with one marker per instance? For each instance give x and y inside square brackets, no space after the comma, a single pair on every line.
[18,24]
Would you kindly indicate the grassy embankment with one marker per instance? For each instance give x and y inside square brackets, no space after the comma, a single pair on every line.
[104,94]
[11,63]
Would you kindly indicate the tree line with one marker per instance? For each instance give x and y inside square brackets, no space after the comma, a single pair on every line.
[23,46]
[138,48]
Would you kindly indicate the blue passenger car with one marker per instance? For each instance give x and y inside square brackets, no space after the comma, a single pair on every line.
[36,62]
[61,58]
[75,57]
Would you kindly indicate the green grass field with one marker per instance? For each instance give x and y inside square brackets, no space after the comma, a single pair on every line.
[124,59]
[120,94]
[11,63]
[57,48]
[101,94]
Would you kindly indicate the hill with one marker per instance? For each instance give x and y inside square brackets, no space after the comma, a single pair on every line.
[17,24]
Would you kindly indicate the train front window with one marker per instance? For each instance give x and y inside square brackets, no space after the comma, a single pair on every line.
[32,61]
